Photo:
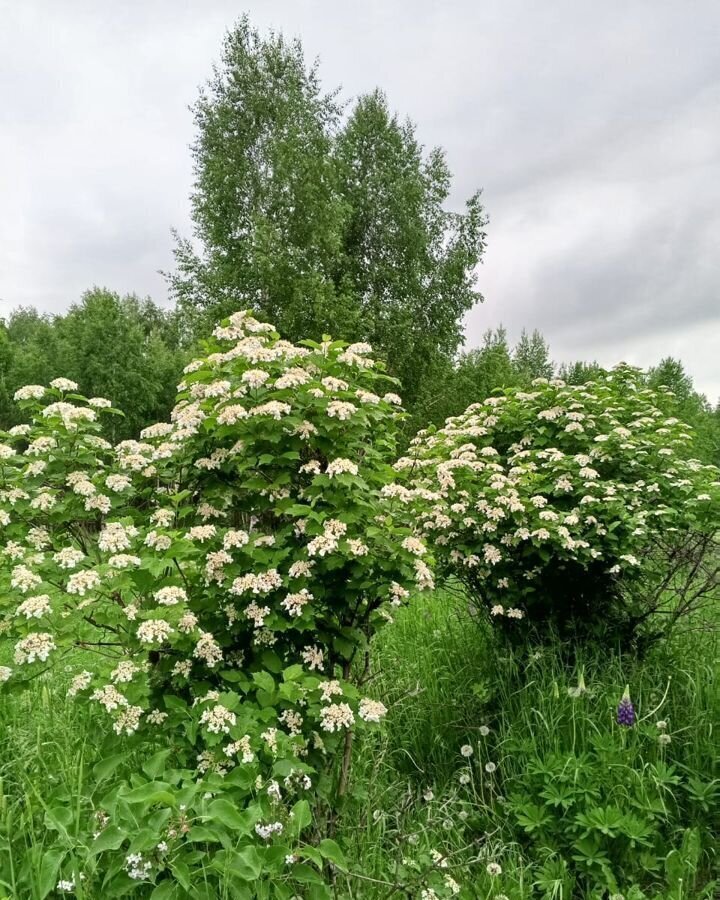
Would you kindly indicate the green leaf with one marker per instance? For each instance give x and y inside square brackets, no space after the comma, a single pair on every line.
[166,890]
[292,673]
[264,681]
[302,816]
[245,864]
[227,814]
[156,764]
[106,767]
[201,834]
[110,838]
[331,851]
[49,868]
[150,793]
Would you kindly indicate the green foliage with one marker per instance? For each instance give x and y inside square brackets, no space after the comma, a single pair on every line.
[681,399]
[323,223]
[122,347]
[444,690]
[531,358]
[521,764]
[576,507]
[227,569]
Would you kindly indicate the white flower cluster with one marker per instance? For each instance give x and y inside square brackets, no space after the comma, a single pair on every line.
[35,646]
[218,719]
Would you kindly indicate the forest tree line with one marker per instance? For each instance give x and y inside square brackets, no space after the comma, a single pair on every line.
[132,351]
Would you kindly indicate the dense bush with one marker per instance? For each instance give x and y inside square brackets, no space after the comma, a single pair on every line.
[226,570]
[574,506]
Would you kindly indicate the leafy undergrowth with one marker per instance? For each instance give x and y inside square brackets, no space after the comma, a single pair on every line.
[493,776]
[517,766]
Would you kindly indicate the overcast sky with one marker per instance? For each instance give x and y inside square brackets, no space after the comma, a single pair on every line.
[594,130]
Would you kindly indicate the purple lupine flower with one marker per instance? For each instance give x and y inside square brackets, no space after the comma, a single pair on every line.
[626,710]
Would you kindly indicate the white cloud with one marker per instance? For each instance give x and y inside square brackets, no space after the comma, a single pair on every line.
[593,129]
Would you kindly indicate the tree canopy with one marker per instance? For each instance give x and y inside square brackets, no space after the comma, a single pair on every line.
[324,220]
[123,348]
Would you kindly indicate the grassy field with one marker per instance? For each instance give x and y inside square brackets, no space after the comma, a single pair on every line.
[487,762]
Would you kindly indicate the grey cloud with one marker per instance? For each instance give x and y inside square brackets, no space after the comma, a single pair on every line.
[594,130]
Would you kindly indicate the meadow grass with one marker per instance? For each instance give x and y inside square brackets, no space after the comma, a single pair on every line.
[414,798]
[447,682]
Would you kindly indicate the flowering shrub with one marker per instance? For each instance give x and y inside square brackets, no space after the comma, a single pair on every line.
[570,505]
[226,569]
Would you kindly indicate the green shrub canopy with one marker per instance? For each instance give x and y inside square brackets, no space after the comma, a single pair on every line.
[225,569]
[569,504]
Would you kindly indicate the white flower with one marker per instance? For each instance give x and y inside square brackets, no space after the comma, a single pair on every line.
[82,582]
[338,409]
[371,710]
[313,658]
[201,533]
[137,868]
[255,378]
[294,603]
[37,645]
[336,716]
[341,467]
[218,720]
[63,384]
[118,483]
[414,545]
[124,672]
[182,668]
[241,748]
[116,537]
[153,631]
[30,392]
[273,408]
[23,579]
[34,607]
[208,650]
[68,557]
[5,673]
[267,831]
[128,720]
[494,869]
[124,561]
[490,767]
[466,750]
[170,596]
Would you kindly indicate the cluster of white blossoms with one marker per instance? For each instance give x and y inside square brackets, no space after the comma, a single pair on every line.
[329,540]
[341,467]
[218,719]
[170,595]
[81,582]
[34,607]
[371,710]
[36,646]
[266,831]
[154,631]
[336,717]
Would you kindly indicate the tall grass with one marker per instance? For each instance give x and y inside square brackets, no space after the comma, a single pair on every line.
[448,683]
